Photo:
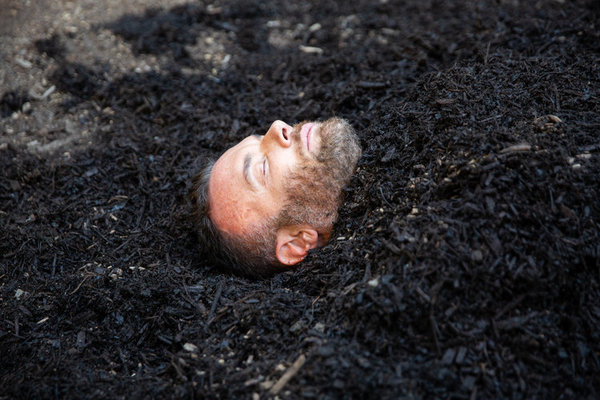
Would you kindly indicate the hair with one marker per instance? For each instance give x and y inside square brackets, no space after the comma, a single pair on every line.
[252,254]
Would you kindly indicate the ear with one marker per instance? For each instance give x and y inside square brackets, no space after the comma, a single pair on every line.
[294,242]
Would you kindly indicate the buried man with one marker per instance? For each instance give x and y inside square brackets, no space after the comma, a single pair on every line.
[270,199]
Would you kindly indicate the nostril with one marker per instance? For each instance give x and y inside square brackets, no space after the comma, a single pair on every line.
[284,133]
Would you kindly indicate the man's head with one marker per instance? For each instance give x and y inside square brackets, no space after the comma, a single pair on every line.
[270,199]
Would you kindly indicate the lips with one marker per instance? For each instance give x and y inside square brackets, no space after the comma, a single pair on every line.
[305,134]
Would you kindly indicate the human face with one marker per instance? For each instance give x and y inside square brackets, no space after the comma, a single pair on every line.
[248,182]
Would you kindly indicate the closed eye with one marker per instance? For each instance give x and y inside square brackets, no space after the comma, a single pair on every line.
[266,171]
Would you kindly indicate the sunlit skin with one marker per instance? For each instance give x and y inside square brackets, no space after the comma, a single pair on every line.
[247,183]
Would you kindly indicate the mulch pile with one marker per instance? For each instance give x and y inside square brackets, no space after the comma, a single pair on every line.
[466,260]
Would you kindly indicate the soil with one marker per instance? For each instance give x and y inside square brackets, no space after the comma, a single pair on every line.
[466,260]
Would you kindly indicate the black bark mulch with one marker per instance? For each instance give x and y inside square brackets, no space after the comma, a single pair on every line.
[466,261]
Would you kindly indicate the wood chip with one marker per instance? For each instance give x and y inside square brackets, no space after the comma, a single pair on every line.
[517,148]
[311,49]
[44,95]
[192,348]
[515,322]
[48,92]
[23,63]
[289,374]
[424,295]
[315,27]
[448,357]
[445,102]
[554,119]
[371,85]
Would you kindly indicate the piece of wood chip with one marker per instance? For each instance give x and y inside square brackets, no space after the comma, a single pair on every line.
[517,148]
[192,348]
[23,63]
[311,49]
[371,85]
[554,119]
[289,374]
[445,102]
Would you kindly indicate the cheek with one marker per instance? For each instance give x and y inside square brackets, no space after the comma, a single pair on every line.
[237,215]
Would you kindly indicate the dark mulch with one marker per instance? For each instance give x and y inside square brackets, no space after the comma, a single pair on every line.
[466,261]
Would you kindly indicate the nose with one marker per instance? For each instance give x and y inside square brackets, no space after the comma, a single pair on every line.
[280,132]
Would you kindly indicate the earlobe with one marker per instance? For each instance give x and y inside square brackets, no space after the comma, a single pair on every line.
[293,243]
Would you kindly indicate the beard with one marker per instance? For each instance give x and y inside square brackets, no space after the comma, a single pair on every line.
[315,188]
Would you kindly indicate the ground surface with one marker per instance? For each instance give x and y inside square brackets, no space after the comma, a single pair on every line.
[466,262]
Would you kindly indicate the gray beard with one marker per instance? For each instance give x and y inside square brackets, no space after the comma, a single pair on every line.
[315,187]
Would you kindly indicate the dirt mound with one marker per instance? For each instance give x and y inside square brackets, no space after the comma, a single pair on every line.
[466,260]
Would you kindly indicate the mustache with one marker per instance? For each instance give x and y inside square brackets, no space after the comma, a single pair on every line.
[295,134]
[327,134]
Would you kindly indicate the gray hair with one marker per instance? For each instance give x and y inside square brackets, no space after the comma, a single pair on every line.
[251,254]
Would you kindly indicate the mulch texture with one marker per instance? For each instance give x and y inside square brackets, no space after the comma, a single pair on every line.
[466,260]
